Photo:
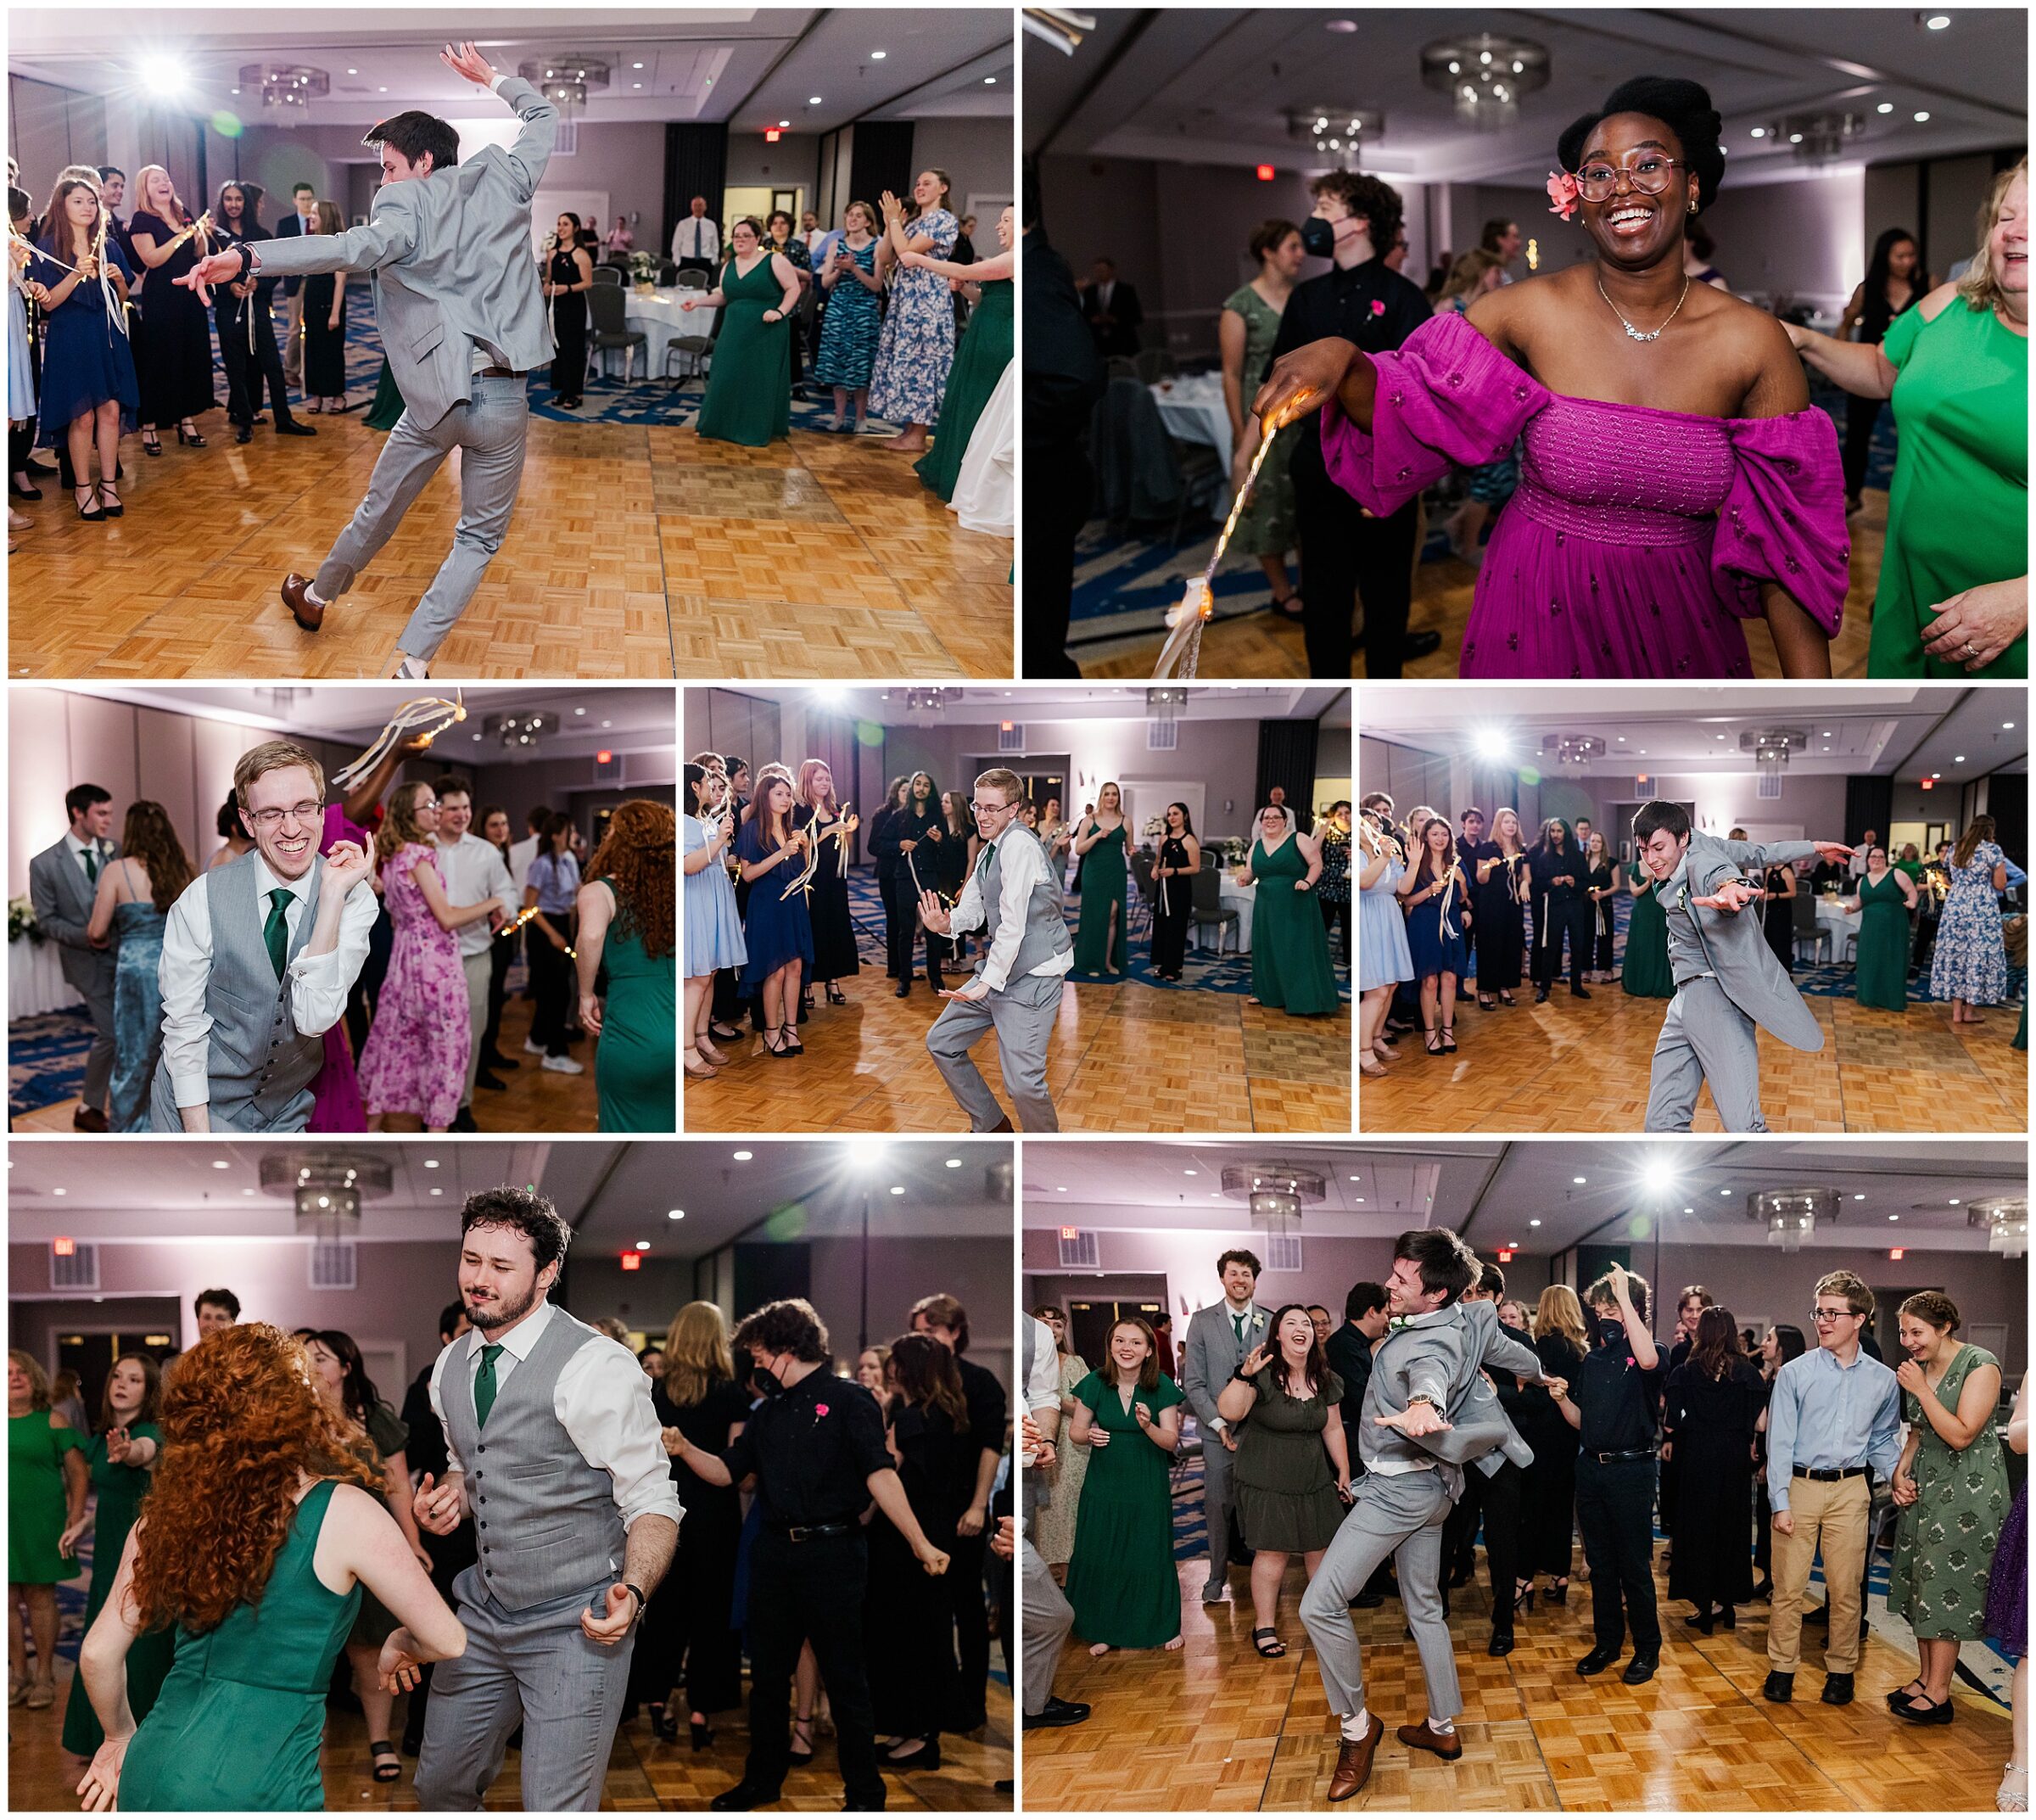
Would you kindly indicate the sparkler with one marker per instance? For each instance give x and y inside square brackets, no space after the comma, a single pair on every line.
[1182,653]
[516,922]
[423,717]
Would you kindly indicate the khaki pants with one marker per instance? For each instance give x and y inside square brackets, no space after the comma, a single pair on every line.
[1832,1514]
[479,969]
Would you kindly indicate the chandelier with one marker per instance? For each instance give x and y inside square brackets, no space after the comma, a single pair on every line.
[327,1188]
[1338,131]
[2007,1221]
[923,701]
[1771,749]
[1816,138]
[285,86]
[1485,75]
[1275,1193]
[567,78]
[1571,748]
[517,732]
[1166,703]
[1791,1214]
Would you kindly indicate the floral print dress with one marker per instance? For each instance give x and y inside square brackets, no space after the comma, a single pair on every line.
[415,1057]
[1970,959]
[917,347]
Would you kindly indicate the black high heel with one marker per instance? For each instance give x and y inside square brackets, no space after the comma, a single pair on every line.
[21,489]
[97,511]
[835,994]
[796,1754]
[1523,1600]
[1557,1593]
[793,1046]
[1433,1041]
[1449,1039]
[702,1732]
[152,444]
[662,1724]
[110,501]
[188,438]
[926,1756]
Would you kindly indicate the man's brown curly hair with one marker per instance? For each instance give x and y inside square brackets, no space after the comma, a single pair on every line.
[636,855]
[241,1424]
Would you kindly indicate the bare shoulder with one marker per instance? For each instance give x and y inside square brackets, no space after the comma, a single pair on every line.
[1755,345]
[1939,300]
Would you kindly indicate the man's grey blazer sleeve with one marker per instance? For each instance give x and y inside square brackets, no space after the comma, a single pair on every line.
[388,235]
[1194,1381]
[44,899]
[532,151]
[1503,1351]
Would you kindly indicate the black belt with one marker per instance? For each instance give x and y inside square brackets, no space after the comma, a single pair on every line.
[1694,980]
[1606,1459]
[1826,1475]
[811,1531]
[502,372]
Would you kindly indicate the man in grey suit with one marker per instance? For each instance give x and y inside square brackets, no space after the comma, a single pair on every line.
[1430,1412]
[462,321]
[1219,1338]
[63,880]
[1727,980]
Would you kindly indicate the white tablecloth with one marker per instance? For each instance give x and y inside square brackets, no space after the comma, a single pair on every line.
[35,979]
[1193,410]
[1844,930]
[1232,896]
[660,318]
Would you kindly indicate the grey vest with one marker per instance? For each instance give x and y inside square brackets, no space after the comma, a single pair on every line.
[546,1522]
[261,1066]
[1045,918]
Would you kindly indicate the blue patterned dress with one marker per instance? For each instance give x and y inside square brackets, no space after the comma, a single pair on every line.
[850,327]
[1972,959]
[917,347]
[137,1011]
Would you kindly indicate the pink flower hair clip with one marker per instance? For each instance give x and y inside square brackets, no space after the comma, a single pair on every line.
[1562,193]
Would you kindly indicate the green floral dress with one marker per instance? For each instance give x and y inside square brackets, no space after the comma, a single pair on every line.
[1944,1542]
[1267,528]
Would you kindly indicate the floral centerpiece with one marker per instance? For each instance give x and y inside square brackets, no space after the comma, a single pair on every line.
[1155,829]
[643,272]
[21,921]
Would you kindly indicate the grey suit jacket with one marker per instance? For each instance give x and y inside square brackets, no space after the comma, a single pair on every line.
[1213,1355]
[1734,947]
[453,263]
[62,900]
[1444,1357]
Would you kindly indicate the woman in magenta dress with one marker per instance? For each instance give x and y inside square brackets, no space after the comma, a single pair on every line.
[414,1062]
[335,1089]
[1675,478]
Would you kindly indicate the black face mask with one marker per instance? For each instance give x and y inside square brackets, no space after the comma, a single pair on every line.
[1318,237]
[766,1382]
[1611,1332]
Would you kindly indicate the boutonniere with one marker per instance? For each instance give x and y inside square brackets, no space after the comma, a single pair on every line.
[819,1410]
[1394,1323]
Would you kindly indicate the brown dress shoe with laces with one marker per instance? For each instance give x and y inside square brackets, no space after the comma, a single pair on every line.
[1354,1761]
[1444,1745]
[307,611]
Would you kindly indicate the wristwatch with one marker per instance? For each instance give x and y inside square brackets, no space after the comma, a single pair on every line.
[641,1599]
[1415,1396]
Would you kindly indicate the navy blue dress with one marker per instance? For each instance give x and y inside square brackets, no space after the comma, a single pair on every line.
[86,359]
[776,929]
[1434,933]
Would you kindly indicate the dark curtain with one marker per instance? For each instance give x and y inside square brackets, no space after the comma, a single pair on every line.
[831,738]
[2008,804]
[1286,757]
[879,159]
[695,164]
[1869,804]
[1494,787]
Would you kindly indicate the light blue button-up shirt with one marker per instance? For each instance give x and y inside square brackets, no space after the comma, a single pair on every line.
[1824,1415]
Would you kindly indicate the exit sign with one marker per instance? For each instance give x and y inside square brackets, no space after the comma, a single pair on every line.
[772,135]
[1266,173]
[632,1260]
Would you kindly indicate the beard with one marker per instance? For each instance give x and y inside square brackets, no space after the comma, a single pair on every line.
[500,1313]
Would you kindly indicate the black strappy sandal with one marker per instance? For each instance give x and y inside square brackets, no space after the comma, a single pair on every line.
[1449,1039]
[835,994]
[1272,1651]
[378,1748]
[793,1046]
[1293,610]
[1433,1041]
[1486,1002]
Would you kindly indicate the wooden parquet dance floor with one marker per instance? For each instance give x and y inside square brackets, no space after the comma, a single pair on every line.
[1582,1066]
[1123,1058]
[645,1774]
[634,552]
[1260,644]
[1213,1727]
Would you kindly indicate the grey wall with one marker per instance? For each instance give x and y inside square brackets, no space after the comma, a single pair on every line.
[978,156]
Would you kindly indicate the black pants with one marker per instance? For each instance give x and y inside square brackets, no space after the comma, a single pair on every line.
[552,973]
[800,1592]
[902,930]
[1572,919]
[971,1631]
[1548,1502]
[1170,928]
[20,445]
[1601,916]
[1060,486]
[1347,560]
[1615,1510]
[887,873]
[1333,914]
[247,371]
[1861,414]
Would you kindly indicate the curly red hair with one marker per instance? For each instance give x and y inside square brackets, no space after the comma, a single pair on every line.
[636,853]
[243,1423]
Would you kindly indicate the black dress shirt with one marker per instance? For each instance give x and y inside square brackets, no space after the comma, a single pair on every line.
[1371,304]
[812,1449]
[1617,1400]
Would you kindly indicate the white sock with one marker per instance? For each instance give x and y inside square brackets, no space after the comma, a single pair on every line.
[1355,1726]
[1442,1727]
[312,595]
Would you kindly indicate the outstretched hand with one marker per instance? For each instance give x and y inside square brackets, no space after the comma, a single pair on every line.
[1833,852]
[1301,383]
[933,912]
[469,62]
[1416,1419]
[215,268]
[1732,897]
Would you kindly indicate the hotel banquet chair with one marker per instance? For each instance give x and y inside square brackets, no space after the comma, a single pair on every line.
[693,279]
[1208,905]
[609,315]
[1806,927]
[697,349]
[1153,364]
[608,274]
[1140,909]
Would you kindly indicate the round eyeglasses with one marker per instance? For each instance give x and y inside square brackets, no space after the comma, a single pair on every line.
[1598,180]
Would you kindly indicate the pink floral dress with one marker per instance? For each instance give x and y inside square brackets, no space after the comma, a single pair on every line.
[415,1057]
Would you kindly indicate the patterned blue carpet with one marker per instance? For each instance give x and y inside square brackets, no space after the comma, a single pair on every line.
[46,1059]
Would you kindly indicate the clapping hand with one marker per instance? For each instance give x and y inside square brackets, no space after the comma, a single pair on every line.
[1256,1360]
[894,210]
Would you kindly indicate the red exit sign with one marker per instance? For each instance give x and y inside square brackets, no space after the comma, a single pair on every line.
[773,134]
[632,1260]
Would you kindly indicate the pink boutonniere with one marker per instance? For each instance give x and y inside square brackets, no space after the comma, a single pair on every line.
[819,1409]
[1378,308]
[1562,193]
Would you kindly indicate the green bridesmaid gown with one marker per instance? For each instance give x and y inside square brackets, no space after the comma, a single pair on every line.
[1645,972]
[1290,968]
[984,352]
[120,1491]
[749,386]
[388,407]
[36,1500]
[634,1069]
[1105,882]
[240,1718]
[1881,958]
[1122,1579]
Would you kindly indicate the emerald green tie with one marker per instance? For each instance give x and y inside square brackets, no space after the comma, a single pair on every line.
[1238,1322]
[982,864]
[276,931]
[91,863]
[483,1384]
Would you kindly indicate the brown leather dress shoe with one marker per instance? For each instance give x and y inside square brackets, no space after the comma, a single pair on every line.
[307,611]
[1447,1745]
[1354,1761]
[1002,1124]
[89,1118]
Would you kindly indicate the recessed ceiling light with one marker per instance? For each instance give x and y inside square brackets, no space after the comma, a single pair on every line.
[1958,758]
[744,1156]
[438,1190]
[635,66]
[244,1190]
[676,1213]
[990,81]
[1534,1222]
[1886,107]
[1689,1210]
[1921,114]
[607,723]
[1859,1197]
[60,1190]
[2007,726]
[878,56]
[633,85]
[1894,1216]
[1340,25]
[953,1162]
[1953,1200]
[783,123]
[431,1162]
[643,1244]
[1360,1200]
[383,90]
[1577,1179]
[1938,21]
[812,101]
[1060,1190]
[1726,1192]
[1795,138]
[579,710]
[222,1166]
[898,1191]
[1758,132]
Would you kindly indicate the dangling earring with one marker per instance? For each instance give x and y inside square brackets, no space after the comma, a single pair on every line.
[1692,205]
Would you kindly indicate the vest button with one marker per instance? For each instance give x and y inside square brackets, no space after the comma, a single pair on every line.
[481,1447]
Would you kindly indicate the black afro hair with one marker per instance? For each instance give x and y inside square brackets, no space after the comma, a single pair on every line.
[1683,107]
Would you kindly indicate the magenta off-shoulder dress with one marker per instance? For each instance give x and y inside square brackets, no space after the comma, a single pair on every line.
[1637,540]
[335,1089]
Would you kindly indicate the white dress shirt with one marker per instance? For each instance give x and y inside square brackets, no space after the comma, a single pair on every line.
[1023,868]
[521,854]
[1043,1387]
[100,851]
[601,1399]
[319,984]
[695,236]
[472,869]
[1392,1468]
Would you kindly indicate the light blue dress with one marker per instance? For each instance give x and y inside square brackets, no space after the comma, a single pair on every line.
[1971,960]
[1382,959]
[916,350]
[713,930]
[20,361]
[137,1011]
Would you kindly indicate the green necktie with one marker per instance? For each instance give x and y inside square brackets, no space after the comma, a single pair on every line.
[483,1384]
[276,931]
[91,863]
[982,864]
[1238,1322]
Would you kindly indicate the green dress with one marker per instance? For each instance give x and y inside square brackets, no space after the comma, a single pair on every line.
[1645,972]
[238,1722]
[1290,968]
[1267,529]
[749,386]
[1105,882]
[1286,1482]
[1944,1542]
[633,1067]
[35,1501]
[1958,508]
[120,1491]
[1883,954]
[1122,1580]
[979,364]
[388,407]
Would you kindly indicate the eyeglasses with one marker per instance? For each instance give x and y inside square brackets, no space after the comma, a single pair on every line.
[271,818]
[1824,1317]
[992,808]
[1597,180]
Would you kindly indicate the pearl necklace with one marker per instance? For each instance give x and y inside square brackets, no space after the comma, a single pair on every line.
[1653,335]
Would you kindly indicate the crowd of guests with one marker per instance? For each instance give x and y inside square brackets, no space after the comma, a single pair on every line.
[1440,907]
[448,899]
[1754,1457]
[837,1527]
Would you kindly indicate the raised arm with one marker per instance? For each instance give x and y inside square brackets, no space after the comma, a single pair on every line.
[532,151]
[1856,366]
